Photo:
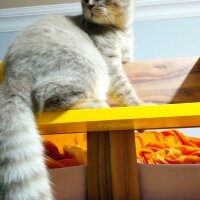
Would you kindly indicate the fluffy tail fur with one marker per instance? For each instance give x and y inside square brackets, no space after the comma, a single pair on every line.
[23,174]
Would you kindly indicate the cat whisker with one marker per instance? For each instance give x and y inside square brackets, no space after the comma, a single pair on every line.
[110,17]
[100,11]
[106,18]
[114,11]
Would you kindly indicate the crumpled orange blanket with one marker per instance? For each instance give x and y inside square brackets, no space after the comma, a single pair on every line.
[166,147]
[65,150]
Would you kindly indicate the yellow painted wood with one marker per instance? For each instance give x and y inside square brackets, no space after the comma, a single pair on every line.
[121,118]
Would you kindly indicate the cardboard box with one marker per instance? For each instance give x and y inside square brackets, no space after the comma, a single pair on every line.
[69,183]
[170,182]
[157,182]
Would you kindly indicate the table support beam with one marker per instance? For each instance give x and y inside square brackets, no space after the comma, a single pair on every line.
[112,172]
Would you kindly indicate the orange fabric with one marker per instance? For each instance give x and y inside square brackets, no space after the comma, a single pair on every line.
[167,147]
[64,150]
[60,140]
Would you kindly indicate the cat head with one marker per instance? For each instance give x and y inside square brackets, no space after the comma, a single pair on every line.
[118,13]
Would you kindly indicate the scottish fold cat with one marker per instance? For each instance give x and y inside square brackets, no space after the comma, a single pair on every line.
[59,63]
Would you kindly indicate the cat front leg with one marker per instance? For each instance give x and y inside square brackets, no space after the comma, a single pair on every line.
[127,49]
[122,90]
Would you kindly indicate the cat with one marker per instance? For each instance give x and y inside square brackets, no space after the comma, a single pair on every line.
[59,63]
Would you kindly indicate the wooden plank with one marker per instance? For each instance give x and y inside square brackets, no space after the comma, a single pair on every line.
[125,180]
[112,170]
[166,81]
[121,118]
[99,178]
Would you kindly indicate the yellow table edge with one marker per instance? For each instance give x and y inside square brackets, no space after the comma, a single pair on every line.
[122,118]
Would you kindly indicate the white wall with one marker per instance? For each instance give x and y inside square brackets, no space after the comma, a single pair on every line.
[5,40]
[23,3]
[13,20]
[154,39]
[167,38]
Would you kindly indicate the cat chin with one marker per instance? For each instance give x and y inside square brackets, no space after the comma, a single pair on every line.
[96,20]
[89,17]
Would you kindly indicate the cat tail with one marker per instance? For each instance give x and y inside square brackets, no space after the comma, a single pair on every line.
[23,174]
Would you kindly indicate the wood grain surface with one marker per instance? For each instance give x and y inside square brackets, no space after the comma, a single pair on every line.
[166,81]
[112,172]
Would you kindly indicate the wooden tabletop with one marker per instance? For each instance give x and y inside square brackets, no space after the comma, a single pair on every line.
[166,81]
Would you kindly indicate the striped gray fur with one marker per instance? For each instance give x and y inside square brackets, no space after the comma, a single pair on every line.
[23,174]
[59,63]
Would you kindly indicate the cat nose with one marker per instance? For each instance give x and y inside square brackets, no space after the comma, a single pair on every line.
[90,6]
